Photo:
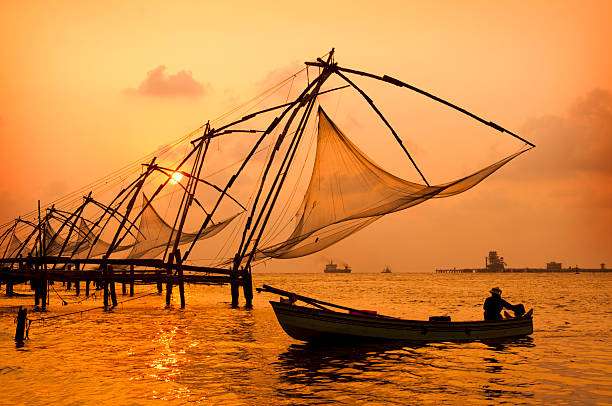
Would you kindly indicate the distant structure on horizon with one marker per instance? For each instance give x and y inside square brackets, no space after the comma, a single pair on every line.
[495,264]
[333,268]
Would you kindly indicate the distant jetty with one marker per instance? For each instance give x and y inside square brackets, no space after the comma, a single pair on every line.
[495,264]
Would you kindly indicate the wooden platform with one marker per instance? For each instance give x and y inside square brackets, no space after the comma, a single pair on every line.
[105,273]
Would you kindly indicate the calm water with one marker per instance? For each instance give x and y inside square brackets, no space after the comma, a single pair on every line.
[212,354]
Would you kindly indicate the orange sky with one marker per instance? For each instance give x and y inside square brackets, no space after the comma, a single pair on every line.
[76,104]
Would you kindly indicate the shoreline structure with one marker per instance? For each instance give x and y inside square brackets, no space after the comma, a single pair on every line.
[496,264]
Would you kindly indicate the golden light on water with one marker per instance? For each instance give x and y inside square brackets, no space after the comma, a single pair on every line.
[176,178]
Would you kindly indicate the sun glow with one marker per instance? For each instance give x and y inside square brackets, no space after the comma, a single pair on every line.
[176,178]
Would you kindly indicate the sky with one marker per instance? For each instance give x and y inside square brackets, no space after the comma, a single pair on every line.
[87,87]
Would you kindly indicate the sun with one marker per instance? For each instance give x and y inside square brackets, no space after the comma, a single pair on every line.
[176,178]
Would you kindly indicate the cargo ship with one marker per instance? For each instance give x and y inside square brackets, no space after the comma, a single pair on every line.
[333,268]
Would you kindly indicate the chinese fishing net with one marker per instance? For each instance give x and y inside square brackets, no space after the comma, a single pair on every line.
[348,191]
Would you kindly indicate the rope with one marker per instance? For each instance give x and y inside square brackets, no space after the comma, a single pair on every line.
[135,165]
[43,319]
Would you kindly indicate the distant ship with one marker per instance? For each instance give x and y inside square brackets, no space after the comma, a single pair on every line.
[333,268]
[386,270]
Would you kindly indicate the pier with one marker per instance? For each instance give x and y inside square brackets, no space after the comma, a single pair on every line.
[495,264]
[104,274]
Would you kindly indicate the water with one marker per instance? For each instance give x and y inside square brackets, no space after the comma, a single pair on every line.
[212,354]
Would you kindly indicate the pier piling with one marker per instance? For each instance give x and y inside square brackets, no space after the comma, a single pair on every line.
[22,317]
[235,288]
[247,287]
[131,280]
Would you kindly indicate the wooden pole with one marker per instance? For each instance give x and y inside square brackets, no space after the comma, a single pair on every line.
[34,282]
[131,280]
[382,117]
[254,149]
[169,280]
[22,317]
[105,285]
[44,291]
[235,290]
[280,178]
[159,282]
[179,263]
[113,294]
[123,284]
[397,82]
[247,286]
[77,284]
[116,241]
[86,287]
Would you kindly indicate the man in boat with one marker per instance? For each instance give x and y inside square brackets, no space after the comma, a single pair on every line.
[494,305]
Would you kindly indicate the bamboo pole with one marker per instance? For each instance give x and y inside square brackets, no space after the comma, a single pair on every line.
[399,83]
[285,165]
[131,280]
[389,126]
[229,184]
[169,280]
[105,285]
[177,256]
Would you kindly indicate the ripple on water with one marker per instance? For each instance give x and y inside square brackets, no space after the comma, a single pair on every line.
[212,354]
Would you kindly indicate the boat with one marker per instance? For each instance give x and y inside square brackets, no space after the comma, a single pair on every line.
[322,324]
[333,268]
[386,270]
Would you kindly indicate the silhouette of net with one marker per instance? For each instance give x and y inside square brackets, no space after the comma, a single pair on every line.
[10,247]
[348,191]
[154,233]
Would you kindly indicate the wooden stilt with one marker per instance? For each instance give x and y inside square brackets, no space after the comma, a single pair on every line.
[113,294]
[123,284]
[86,287]
[169,289]
[235,289]
[43,291]
[247,286]
[159,282]
[22,317]
[169,281]
[105,296]
[78,282]
[35,285]
[105,285]
[9,288]
[177,256]
[131,280]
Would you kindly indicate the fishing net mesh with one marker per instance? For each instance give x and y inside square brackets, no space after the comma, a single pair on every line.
[154,233]
[10,247]
[348,191]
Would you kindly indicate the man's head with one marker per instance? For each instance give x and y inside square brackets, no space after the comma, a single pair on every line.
[496,292]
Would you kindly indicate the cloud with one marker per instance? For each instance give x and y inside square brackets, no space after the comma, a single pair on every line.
[276,76]
[578,142]
[571,165]
[158,83]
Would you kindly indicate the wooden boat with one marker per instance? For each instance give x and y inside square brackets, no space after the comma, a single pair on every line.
[323,324]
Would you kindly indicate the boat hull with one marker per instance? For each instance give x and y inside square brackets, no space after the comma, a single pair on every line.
[307,324]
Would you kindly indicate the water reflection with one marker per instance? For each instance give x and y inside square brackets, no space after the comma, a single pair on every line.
[308,371]
[507,344]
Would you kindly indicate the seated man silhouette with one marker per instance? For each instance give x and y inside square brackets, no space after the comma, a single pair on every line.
[494,304]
